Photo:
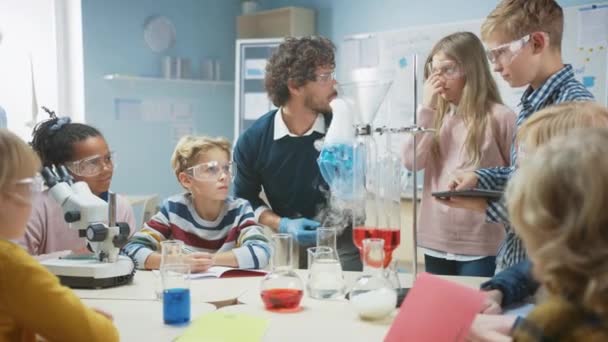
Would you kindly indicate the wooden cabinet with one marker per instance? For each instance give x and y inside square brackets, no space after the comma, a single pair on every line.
[280,22]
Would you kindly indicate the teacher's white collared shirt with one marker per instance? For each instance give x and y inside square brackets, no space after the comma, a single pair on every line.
[281,130]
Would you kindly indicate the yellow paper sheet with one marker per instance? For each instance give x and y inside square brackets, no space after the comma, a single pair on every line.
[225,327]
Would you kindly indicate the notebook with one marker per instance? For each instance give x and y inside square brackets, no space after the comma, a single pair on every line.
[227,272]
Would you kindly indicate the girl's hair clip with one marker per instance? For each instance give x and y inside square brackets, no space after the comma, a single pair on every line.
[62,121]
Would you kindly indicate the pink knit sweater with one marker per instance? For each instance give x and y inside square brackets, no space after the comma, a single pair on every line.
[451,230]
[48,235]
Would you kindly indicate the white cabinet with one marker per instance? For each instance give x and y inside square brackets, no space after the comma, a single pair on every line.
[250,100]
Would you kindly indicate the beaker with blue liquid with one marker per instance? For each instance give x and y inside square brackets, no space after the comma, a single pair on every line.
[175,279]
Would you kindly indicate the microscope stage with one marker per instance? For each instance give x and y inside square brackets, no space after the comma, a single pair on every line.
[90,273]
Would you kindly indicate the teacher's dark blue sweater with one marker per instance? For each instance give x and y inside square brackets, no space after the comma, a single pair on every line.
[286,168]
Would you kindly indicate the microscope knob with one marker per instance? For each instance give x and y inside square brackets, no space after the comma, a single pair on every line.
[123,228]
[97,232]
[72,216]
[123,237]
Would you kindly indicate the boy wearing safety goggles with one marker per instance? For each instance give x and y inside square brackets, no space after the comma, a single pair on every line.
[83,150]
[524,39]
[217,229]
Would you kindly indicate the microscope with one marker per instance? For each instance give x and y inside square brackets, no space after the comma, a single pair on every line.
[95,220]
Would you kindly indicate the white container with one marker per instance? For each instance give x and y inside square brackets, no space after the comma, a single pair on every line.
[207,69]
[176,67]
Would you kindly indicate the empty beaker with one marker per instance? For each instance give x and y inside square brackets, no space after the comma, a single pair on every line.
[325,278]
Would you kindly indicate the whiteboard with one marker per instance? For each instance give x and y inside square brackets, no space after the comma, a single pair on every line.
[396,50]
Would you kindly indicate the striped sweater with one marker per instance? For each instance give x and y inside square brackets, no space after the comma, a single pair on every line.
[235,229]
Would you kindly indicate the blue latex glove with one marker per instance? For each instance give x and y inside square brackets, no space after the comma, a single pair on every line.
[303,230]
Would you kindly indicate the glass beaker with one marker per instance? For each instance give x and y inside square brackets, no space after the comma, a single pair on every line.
[282,289]
[325,279]
[326,237]
[373,296]
[171,252]
[176,293]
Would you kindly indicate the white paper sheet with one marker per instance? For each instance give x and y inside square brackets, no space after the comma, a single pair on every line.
[181,111]
[155,110]
[255,69]
[255,105]
[127,109]
[593,26]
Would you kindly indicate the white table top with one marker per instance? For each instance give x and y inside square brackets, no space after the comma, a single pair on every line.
[138,314]
[146,284]
[331,321]
[142,320]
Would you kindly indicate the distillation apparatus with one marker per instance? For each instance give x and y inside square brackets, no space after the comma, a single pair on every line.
[358,171]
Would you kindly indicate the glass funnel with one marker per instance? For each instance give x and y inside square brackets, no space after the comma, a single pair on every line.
[376,173]
[282,289]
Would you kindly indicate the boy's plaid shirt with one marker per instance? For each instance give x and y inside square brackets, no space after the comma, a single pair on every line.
[560,87]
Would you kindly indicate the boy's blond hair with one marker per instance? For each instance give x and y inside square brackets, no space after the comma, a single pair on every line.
[559,119]
[17,161]
[189,148]
[517,18]
[557,202]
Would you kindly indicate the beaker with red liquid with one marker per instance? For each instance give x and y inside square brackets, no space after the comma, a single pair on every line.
[391,237]
[282,289]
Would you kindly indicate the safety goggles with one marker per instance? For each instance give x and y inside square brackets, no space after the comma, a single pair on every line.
[33,185]
[27,188]
[209,171]
[92,166]
[506,53]
[326,77]
[448,69]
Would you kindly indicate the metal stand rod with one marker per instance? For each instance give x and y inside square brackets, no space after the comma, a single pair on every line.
[415,183]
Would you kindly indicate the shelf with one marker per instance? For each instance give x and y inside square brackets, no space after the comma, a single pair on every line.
[120,77]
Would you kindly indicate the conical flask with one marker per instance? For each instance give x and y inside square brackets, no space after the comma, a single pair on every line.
[373,296]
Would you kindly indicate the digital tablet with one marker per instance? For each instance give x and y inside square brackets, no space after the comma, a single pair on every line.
[491,195]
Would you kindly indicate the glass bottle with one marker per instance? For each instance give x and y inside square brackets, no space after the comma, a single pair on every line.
[282,289]
[373,296]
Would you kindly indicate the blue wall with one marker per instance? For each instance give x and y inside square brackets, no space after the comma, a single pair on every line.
[113,43]
[337,18]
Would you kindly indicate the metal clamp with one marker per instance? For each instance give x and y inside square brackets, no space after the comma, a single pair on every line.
[406,129]
[363,130]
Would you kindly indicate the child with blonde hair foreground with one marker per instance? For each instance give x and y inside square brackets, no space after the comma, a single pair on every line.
[516,283]
[32,302]
[219,229]
[562,223]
